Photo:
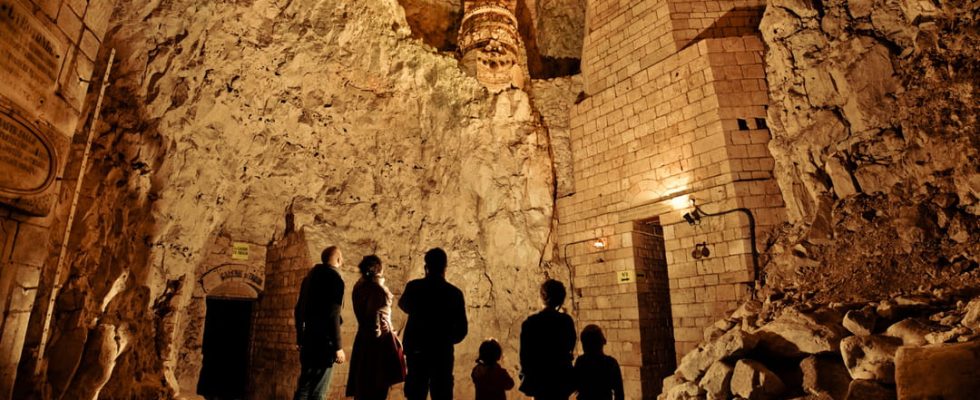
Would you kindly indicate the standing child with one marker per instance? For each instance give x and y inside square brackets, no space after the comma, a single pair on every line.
[597,374]
[490,379]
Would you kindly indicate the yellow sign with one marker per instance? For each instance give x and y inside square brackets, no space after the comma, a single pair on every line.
[625,277]
[239,251]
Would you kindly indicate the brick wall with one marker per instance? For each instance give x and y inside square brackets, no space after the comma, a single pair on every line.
[274,357]
[48,50]
[679,116]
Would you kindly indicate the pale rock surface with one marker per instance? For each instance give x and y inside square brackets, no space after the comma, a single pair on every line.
[734,343]
[753,381]
[795,333]
[971,315]
[860,322]
[911,331]
[224,117]
[870,357]
[938,372]
[717,381]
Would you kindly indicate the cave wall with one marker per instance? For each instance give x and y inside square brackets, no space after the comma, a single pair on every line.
[874,118]
[223,118]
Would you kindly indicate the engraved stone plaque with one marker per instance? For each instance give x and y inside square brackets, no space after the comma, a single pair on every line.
[28,160]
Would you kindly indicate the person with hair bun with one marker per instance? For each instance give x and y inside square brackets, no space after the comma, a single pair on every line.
[367,379]
[547,341]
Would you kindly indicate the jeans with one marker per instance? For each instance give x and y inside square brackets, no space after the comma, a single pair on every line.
[429,372]
[313,383]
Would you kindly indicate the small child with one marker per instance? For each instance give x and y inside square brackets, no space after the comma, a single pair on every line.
[490,379]
[597,375]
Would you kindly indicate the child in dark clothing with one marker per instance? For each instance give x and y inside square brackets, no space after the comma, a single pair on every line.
[490,379]
[597,374]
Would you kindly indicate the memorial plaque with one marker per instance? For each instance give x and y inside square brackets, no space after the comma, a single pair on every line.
[28,162]
[30,56]
[26,158]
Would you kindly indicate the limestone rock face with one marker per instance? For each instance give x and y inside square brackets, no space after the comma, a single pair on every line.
[224,118]
[879,171]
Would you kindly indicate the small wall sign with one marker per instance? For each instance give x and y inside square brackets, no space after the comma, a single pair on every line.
[624,277]
[239,251]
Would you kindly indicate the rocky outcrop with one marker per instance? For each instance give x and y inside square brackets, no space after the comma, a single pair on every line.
[859,366]
[224,117]
[880,173]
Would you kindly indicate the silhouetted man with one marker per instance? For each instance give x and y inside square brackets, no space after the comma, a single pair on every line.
[547,341]
[436,322]
[317,314]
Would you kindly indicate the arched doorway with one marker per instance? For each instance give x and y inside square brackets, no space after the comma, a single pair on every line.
[231,293]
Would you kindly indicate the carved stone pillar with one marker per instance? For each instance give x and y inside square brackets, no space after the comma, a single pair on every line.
[490,45]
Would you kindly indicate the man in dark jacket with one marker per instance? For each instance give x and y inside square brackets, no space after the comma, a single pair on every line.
[436,322]
[317,314]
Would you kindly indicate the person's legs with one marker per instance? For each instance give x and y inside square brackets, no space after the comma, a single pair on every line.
[441,370]
[417,379]
[310,380]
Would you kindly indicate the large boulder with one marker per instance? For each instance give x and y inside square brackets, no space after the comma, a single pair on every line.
[949,372]
[717,381]
[753,381]
[795,334]
[870,357]
[825,376]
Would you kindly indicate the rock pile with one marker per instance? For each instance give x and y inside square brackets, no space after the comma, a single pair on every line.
[924,345]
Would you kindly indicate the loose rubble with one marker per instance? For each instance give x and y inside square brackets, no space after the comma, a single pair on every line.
[925,345]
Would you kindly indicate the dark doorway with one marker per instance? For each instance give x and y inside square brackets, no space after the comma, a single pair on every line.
[656,325]
[224,372]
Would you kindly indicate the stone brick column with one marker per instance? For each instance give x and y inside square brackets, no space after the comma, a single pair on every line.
[675,111]
[47,56]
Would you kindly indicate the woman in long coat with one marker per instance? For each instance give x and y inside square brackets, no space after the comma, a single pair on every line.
[370,357]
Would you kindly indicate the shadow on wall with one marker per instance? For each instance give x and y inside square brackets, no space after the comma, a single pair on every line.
[738,21]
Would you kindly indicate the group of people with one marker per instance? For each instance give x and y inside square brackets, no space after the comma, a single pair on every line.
[436,323]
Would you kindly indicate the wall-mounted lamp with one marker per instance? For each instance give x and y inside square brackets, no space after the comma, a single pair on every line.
[599,243]
[700,251]
[693,217]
